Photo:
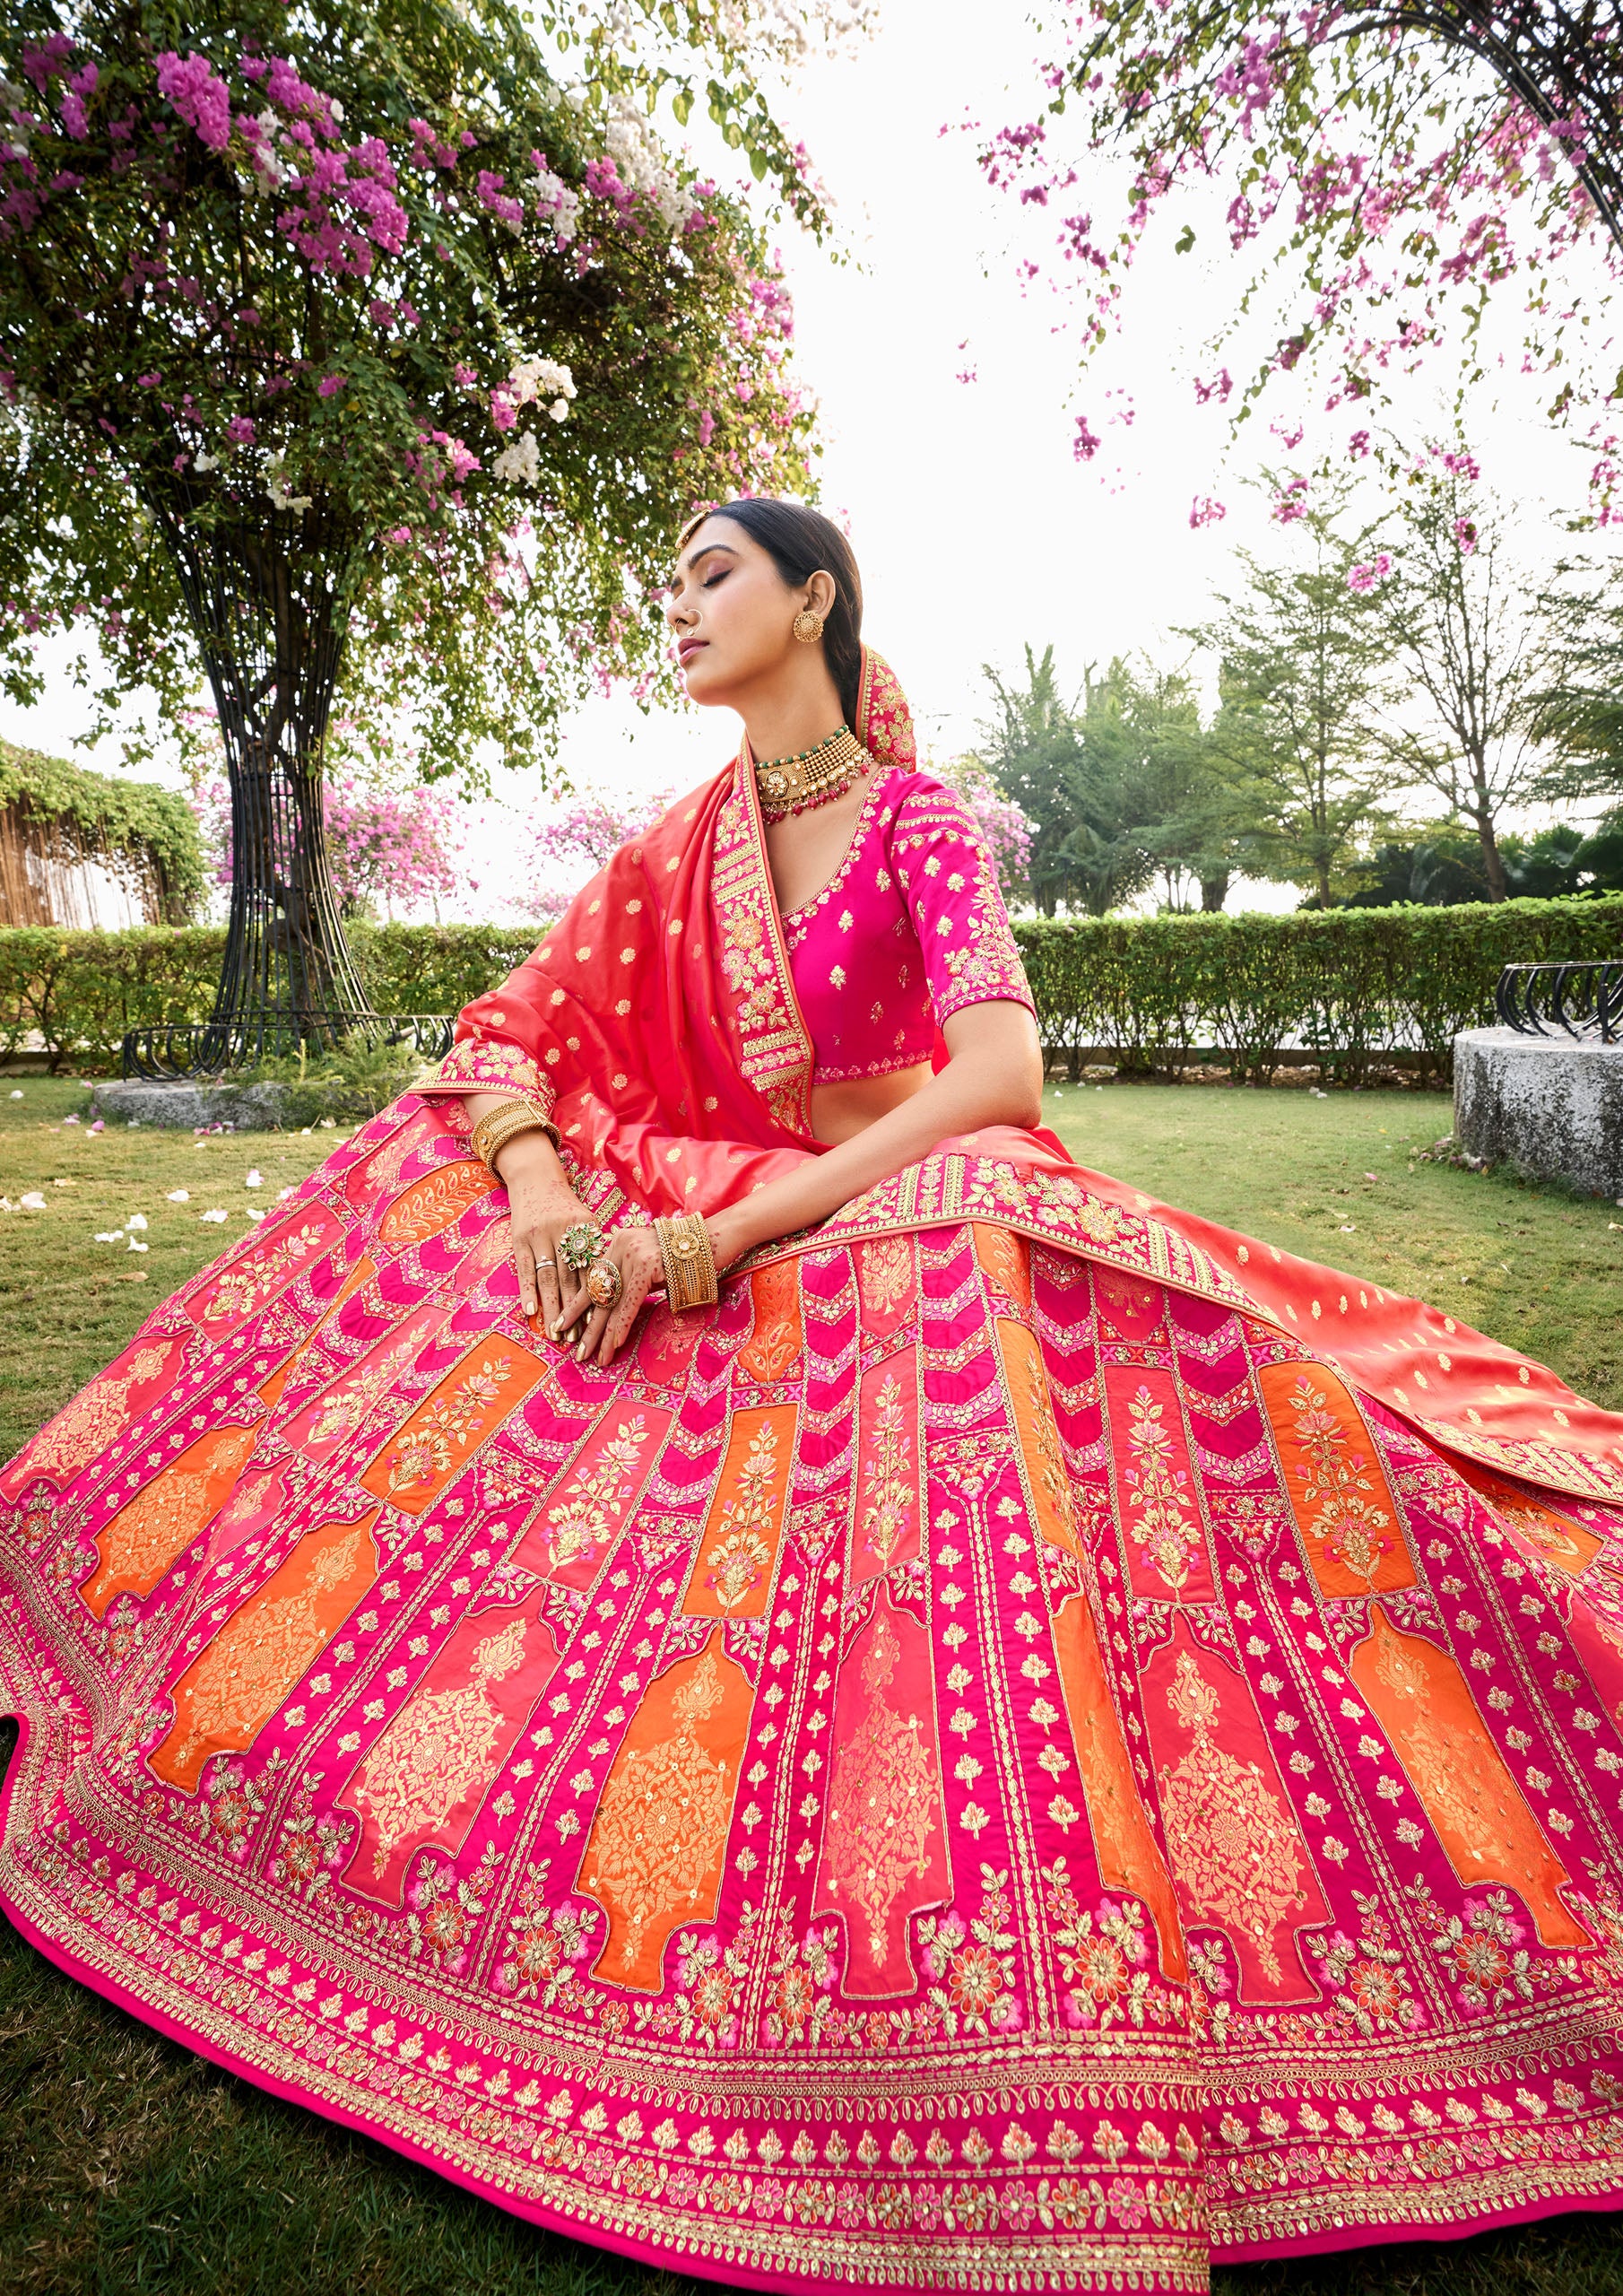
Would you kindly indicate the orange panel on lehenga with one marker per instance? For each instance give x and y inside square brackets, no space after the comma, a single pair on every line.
[884,1851]
[424,1780]
[596,1497]
[731,1573]
[1237,1857]
[1046,1484]
[1421,1698]
[1005,1261]
[890,1501]
[446,1430]
[1556,1538]
[1159,1513]
[262,1274]
[436,1202]
[237,1682]
[1124,1847]
[1348,1518]
[97,1415]
[151,1534]
[773,1344]
[654,1857]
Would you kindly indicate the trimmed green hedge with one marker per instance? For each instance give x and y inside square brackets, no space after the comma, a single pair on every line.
[1350,984]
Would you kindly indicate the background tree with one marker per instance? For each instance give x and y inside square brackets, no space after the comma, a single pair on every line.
[1377,177]
[1455,617]
[350,357]
[1031,750]
[1193,810]
[1303,653]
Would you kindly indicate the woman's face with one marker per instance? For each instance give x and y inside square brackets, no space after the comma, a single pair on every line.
[732,613]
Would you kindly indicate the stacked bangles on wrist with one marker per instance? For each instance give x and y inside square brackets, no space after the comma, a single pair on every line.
[505,1122]
[688,1260]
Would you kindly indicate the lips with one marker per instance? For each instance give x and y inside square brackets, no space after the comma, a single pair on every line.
[689,647]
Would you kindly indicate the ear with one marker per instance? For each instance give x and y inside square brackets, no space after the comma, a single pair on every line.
[821,593]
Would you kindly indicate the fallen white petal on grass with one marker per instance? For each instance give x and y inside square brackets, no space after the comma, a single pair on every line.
[255,1179]
[137,1220]
[135,1245]
[284,1195]
[213,1216]
[179,1196]
[32,1202]
[251,1212]
[110,1236]
[16,1096]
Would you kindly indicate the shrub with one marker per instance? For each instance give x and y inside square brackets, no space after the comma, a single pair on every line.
[1347,984]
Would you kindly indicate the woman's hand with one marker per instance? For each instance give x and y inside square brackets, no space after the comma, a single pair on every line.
[541,1205]
[633,1252]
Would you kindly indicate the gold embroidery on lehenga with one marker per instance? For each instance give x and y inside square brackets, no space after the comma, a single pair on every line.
[1233,1847]
[1163,1521]
[660,1822]
[888,1493]
[885,1273]
[1344,1510]
[95,1418]
[254,1281]
[883,1800]
[235,1683]
[436,1202]
[161,1522]
[594,1503]
[732,1574]
[437,1748]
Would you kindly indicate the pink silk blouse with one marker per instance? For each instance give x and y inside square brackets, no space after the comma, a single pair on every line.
[909,929]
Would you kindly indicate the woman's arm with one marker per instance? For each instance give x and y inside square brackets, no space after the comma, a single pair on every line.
[994,1076]
[541,1205]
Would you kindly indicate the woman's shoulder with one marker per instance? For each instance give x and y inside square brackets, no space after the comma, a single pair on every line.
[925,806]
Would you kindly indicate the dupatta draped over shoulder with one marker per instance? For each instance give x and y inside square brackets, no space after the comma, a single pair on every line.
[1037,1743]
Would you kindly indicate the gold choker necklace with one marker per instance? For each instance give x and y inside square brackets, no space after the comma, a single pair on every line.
[791,785]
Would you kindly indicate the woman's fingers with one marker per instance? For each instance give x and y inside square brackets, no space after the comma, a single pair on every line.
[546,1280]
[523,1265]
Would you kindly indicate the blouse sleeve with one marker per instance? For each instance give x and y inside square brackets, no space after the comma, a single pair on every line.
[950,888]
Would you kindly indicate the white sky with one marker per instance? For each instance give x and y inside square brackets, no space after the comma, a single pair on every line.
[976,529]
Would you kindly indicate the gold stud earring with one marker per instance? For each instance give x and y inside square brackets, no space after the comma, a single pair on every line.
[807,626]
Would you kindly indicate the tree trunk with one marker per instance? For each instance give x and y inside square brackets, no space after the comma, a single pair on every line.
[1214,891]
[266,604]
[1493,865]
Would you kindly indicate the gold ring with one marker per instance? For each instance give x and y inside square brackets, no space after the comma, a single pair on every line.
[604,1283]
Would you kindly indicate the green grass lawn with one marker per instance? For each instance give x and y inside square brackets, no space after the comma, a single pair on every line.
[127,2164]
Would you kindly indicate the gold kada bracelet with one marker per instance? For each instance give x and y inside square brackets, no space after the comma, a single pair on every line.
[689,1262]
[493,1130]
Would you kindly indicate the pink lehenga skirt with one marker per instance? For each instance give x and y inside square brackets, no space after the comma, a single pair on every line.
[965,1769]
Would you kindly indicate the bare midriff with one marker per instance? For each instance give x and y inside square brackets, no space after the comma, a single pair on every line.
[838,1111]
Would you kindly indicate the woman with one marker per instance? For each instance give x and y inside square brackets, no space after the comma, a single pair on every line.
[995,1733]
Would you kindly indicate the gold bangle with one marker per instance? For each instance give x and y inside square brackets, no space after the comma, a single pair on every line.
[493,1130]
[688,1260]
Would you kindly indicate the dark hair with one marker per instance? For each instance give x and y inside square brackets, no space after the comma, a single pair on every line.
[800,543]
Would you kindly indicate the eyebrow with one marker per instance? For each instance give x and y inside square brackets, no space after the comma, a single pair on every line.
[699,554]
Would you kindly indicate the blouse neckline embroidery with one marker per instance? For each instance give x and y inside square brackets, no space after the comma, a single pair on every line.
[793,919]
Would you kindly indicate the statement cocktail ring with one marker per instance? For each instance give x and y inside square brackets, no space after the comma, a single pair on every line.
[604,1283]
[580,1245]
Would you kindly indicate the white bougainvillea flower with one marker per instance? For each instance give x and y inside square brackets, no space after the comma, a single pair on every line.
[211,1215]
[135,1245]
[33,1201]
[16,1096]
[252,1211]
[284,1195]
[255,1179]
[110,1236]
[179,1196]
[137,1220]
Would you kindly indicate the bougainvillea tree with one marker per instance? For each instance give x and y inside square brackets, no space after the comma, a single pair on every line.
[370,351]
[1385,170]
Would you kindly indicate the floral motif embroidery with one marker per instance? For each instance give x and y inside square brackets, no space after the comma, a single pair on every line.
[972,1964]
[430,1449]
[437,1748]
[1163,1521]
[887,1492]
[1232,1846]
[883,1800]
[742,1555]
[1106,1957]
